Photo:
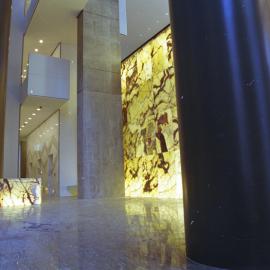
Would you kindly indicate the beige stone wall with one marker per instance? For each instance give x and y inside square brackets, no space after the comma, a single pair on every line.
[100,150]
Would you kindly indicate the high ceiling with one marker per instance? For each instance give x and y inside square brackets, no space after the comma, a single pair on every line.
[55,21]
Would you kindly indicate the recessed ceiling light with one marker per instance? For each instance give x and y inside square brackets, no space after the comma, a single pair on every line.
[36,50]
[25,123]
[23,126]
[24,70]
[34,114]
[20,129]
[41,41]
[39,108]
[57,124]
[29,118]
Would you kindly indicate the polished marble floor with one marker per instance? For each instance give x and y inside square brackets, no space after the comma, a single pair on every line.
[122,234]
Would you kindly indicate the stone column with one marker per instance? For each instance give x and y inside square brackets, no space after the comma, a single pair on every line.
[100,150]
[223,80]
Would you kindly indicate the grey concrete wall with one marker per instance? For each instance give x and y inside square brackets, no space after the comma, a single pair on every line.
[100,150]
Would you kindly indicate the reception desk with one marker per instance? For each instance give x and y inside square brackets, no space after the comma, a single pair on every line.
[20,192]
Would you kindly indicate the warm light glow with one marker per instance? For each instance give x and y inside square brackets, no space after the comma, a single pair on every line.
[151,143]
[25,123]
[36,50]
[41,41]
[24,192]
[39,109]
[34,114]
[29,118]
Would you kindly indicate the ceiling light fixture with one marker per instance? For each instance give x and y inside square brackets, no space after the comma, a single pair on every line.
[36,50]
[39,108]
[29,118]
[23,126]
[34,114]
[41,41]
[25,123]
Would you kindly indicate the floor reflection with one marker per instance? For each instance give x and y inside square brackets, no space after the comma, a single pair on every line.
[158,233]
[129,234]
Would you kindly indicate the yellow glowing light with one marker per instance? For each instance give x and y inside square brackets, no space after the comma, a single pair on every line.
[24,192]
[151,143]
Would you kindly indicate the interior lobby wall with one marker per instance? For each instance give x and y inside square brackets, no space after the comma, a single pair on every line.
[68,126]
[68,129]
[5,8]
[151,138]
[13,93]
[42,155]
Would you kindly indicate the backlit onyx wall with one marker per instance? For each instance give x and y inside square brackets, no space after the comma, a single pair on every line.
[4,35]
[151,143]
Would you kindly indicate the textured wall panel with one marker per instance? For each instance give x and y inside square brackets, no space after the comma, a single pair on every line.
[151,139]
[43,144]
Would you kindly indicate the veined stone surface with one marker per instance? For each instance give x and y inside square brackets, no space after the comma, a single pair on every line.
[20,192]
[151,139]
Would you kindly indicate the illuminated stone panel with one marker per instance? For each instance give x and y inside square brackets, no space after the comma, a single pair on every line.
[20,192]
[151,138]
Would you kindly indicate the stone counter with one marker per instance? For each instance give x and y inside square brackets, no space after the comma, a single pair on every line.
[20,192]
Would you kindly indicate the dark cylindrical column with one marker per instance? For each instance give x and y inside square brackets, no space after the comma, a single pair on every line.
[222,50]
